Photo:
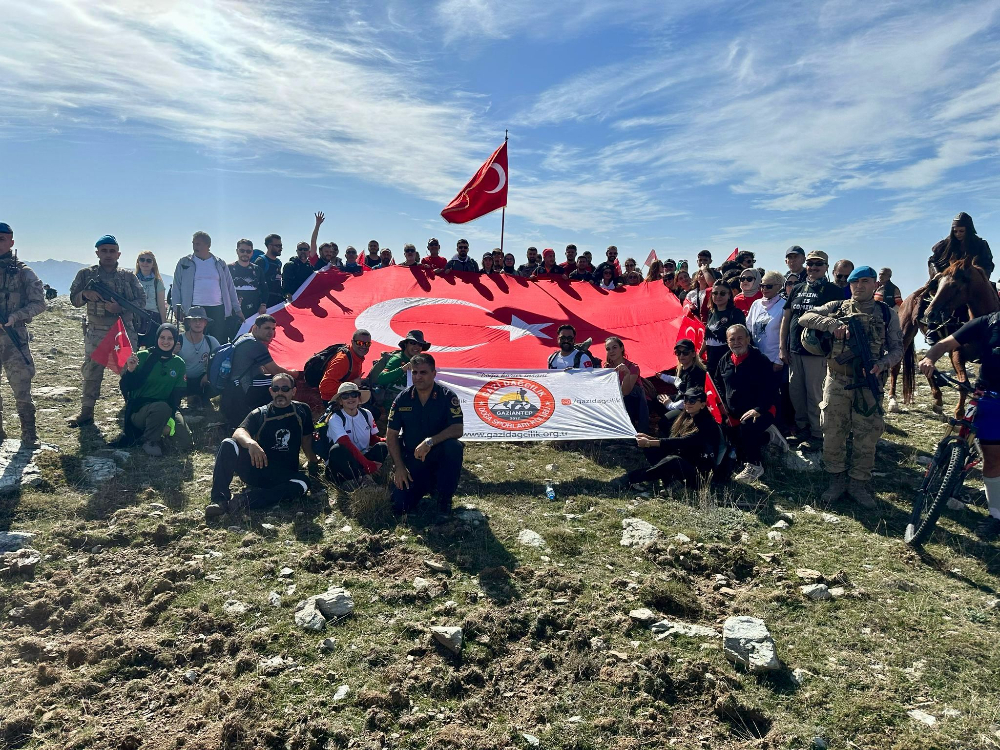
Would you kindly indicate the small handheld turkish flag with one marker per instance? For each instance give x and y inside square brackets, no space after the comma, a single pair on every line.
[650,258]
[115,349]
[732,255]
[485,192]
[714,404]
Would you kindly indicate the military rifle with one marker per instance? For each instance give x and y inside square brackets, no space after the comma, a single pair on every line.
[107,293]
[860,348]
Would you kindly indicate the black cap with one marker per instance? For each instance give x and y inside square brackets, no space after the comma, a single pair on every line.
[794,250]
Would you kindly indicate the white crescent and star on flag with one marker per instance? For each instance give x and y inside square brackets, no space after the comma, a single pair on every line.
[377,320]
[502,177]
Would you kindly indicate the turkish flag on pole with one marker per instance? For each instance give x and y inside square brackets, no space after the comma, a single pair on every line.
[479,321]
[114,349]
[713,403]
[650,258]
[485,192]
[732,255]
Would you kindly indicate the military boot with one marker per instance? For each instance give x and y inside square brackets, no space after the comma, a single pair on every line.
[838,486]
[86,416]
[29,434]
[858,490]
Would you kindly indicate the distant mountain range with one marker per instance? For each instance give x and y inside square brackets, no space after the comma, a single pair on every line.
[59,274]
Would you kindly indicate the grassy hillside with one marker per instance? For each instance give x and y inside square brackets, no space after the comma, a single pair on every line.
[143,626]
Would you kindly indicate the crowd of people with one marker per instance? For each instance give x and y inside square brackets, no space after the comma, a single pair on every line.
[776,350]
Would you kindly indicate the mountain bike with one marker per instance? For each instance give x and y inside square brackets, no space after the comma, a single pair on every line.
[954,456]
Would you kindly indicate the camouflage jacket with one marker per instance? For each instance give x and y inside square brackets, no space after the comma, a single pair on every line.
[21,294]
[121,280]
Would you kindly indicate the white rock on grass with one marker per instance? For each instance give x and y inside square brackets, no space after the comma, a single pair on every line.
[308,617]
[56,393]
[274,599]
[638,533]
[12,541]
[97,470]
[336,602]
[643,616]
[665,628]
[235,607]
[21,562]
[922,716]
[782,524]
[529,538]
[818,592]
[448,636]
[342,692]
[747,642]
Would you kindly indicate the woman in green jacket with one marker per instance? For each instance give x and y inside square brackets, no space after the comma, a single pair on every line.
[153,383]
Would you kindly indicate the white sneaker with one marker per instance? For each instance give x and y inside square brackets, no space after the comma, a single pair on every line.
[750,473]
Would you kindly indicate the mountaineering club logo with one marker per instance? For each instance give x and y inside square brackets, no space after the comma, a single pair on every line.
[514,404]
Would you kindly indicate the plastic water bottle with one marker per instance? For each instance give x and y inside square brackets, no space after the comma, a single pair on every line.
[550,491]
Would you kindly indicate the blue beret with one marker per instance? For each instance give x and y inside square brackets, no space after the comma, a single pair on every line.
[5,228]
[108,239]
[862,272]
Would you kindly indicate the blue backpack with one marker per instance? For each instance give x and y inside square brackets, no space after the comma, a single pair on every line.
[220,364]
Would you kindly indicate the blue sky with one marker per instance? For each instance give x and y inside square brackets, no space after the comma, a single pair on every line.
[856,127]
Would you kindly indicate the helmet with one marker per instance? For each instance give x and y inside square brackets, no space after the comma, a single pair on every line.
[816,342]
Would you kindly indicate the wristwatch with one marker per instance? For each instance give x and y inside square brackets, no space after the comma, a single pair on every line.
[429,441]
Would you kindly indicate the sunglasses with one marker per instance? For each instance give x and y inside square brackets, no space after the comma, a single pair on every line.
[769,286]
[678,352]
[815,264]
[841,275]
[351,395]
[280,388]
[362,343]
[145,260]
[692,399]
[746,278]
[409,252]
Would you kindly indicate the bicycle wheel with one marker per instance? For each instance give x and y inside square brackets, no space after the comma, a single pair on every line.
[946,477]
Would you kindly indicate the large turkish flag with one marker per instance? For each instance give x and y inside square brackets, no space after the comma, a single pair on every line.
[476,320]
[485,192]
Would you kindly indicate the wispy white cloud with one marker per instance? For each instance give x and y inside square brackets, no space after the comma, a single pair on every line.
[855,95]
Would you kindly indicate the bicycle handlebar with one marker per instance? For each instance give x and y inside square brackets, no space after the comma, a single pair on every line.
[941,379]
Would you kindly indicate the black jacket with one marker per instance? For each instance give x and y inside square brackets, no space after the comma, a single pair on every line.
[293,275]
[700,447]
[749,386]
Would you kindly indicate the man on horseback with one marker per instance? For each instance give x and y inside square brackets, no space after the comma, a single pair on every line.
[961,243]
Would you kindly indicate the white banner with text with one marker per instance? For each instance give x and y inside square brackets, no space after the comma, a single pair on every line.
[501,405]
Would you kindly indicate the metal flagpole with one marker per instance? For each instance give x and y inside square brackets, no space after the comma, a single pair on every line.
[503,212]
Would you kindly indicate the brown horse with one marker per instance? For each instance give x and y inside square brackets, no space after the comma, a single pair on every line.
[961,285]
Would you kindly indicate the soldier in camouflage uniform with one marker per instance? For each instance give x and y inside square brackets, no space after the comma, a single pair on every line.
[21,299]
[101,316]
[846,412]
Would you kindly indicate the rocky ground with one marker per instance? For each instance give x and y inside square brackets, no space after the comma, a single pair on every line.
[594,620]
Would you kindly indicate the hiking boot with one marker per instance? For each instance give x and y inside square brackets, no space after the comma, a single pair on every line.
[811,444]
[750,473]
[152,449]
[858,491]
[989,529]
[29,439]
[86,416]
[619,484]
[214,510]
[838,486]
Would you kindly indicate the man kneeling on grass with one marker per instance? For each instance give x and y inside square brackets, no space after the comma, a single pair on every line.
[356,450]
[425,423]
[264,453]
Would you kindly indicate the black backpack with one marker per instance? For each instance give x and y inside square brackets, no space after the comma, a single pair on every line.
[577,358]
[316,364]
[320,439]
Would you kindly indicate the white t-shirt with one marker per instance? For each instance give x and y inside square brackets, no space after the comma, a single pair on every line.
[764,322]
[207,285]
[360,428]
[196,356]
[563,361]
